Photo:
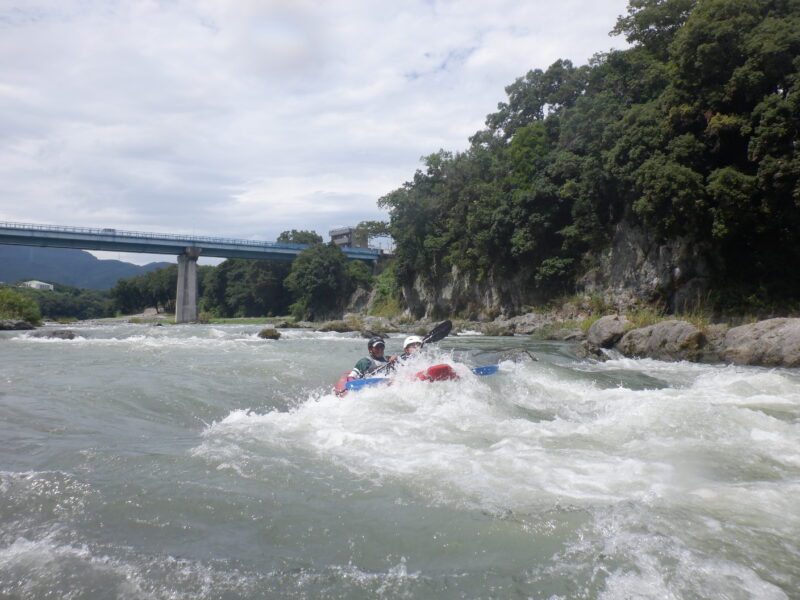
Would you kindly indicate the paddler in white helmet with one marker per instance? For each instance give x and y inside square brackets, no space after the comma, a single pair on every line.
[411,345]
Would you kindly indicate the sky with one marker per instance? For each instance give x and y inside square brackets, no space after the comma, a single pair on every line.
[246,118]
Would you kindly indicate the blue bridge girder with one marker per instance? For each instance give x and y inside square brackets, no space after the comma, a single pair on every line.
[117,240]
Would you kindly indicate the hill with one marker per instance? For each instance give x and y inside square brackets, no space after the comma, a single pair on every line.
[667,173]
[65,266]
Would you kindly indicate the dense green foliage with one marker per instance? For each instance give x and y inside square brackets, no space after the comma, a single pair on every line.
[17,306]
[692,132]
[317,284]
[322,279]
[245,288]
[155,289]
[67,302]
[386,300]
[300,237]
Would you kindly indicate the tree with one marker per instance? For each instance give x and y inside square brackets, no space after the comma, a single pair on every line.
[14,305]
[154,289]
[319,282]
[368,230]
[654,23]
[245,288]
[300,237]
[694,132]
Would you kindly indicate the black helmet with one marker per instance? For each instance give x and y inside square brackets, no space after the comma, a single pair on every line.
[373,341]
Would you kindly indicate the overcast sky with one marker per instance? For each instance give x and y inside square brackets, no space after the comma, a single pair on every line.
[245,118]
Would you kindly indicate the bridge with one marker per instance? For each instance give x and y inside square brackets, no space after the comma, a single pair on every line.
[188,249]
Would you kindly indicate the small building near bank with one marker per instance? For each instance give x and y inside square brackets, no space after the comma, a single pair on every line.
[37,285]
[346,237]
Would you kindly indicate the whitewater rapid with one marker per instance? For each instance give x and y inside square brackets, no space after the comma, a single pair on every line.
[204,462]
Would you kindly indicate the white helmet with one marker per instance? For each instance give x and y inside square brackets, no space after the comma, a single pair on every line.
[412,339]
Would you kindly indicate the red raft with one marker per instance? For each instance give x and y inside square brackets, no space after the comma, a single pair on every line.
[443,372]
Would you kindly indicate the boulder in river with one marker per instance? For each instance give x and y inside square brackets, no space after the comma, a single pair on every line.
[269,333]
[668,340]
[774,342]
[607,331]
[59,334]
[15,324]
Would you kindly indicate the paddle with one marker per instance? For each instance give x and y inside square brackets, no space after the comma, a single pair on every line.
[357,384]
[441,331]
[488,370]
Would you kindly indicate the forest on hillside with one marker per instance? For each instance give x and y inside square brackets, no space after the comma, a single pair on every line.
[690,133]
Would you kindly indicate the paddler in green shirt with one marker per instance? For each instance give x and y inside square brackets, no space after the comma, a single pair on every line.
[376,347]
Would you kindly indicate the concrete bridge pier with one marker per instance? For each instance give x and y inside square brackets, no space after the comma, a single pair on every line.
[186,302]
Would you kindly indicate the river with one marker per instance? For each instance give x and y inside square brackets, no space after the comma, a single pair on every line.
[201,462]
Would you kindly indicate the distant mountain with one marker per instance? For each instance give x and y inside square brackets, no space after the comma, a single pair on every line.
[68,267]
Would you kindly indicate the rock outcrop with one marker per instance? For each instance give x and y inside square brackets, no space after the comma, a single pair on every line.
[774,342]
[637,268]
[607,331]
[668,340]
[460,293]
[771,343]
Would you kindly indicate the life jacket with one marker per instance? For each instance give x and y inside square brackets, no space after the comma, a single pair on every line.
[365,366]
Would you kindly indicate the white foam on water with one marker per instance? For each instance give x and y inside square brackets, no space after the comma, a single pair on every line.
[44,568]
[463,441]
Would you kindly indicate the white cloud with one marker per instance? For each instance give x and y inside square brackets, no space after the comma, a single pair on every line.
[244,118]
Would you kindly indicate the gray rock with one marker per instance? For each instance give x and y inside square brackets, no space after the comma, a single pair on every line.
[568,334]
[638,268]
[774,342]
[269,333]
[61,334]
[712,352]
[517,355]
[494,329]
[377,326]
[527,323]
[607,331]
[14,325]
[338,326]
[668,340]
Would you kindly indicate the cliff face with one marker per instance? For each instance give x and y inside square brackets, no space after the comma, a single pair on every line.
[462,294]
[634,269]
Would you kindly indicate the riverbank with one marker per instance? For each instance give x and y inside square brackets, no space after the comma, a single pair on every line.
[771,342]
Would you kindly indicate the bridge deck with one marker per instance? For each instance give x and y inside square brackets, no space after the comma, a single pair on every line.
[116,240]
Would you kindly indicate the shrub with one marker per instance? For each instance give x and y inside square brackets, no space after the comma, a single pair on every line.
[14,305]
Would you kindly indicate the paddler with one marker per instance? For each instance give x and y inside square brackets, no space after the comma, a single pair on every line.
[376,360]
[411,345]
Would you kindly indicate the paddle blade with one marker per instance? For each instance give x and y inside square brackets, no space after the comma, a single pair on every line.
[357,384]
[441,331]
[488,370]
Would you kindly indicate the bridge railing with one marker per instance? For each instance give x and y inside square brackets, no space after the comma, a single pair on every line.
[148,235]
[367,253]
